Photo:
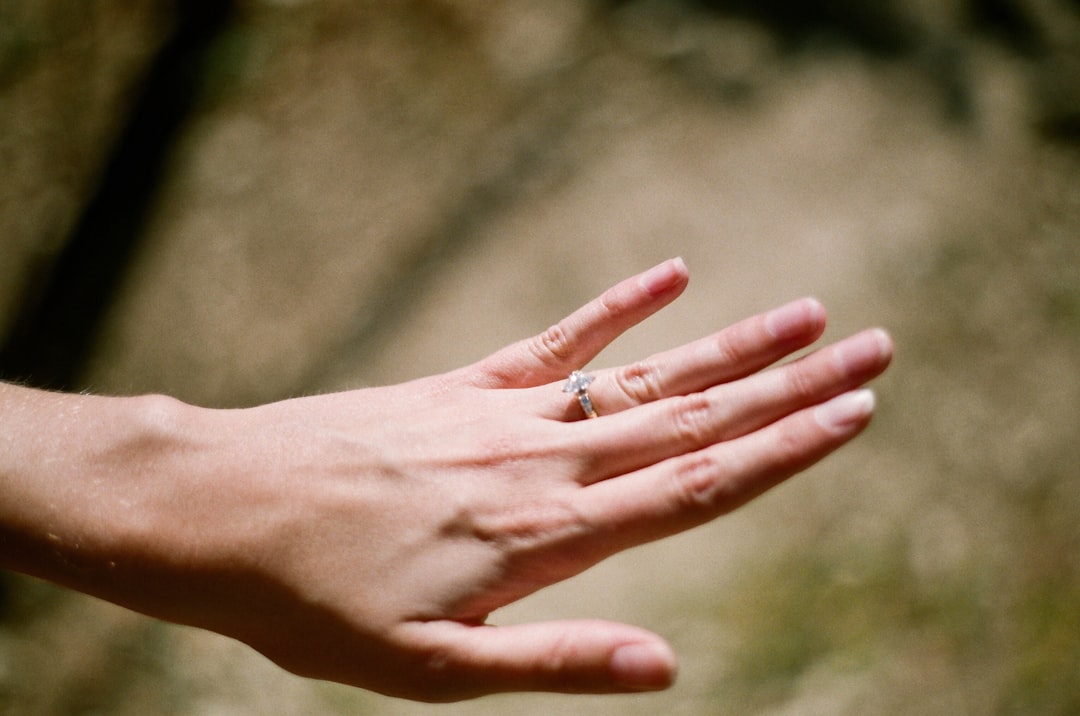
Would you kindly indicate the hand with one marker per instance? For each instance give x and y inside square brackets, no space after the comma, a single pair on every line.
[364,537]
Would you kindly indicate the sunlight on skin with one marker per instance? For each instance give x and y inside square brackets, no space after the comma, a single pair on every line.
[349,544]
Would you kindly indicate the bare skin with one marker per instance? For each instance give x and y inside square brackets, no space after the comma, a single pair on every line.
[364,537]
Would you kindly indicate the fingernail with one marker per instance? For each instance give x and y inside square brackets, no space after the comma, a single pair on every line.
[794,319]
[644,667]
[864,351]
[662,278]
[845,410]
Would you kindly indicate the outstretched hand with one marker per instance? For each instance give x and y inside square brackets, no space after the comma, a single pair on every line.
[364,537]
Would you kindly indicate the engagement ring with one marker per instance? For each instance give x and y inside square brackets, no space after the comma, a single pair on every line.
[578,384]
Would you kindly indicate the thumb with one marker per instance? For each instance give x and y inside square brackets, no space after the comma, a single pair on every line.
[565,656]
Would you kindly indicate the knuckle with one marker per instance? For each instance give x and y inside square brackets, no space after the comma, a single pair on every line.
[640,382]
[608,304]
[729,348]
[697,485]
[789,448]
[553,343]
[553,662]
[693,420]
[798,382]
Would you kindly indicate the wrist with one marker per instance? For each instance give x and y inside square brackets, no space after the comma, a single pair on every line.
[82,480]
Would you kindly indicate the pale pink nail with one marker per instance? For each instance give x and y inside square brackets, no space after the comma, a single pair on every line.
[845,410]
[662,278]
[644,667]
[792,320]
[865,351]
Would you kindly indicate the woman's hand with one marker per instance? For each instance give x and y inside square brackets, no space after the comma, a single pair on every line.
[364,537]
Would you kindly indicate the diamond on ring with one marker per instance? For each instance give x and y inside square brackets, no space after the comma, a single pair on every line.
[578,384]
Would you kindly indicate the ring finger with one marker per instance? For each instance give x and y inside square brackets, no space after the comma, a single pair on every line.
[739,350]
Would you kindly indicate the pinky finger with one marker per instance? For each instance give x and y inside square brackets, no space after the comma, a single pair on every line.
[695,488]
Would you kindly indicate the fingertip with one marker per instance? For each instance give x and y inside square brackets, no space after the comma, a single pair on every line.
[664,277]
[846,412]
[885,342]
[816,309]
[680,264]
[796,320]
[644,666]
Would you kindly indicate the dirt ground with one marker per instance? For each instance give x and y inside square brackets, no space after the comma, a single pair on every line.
[365,194]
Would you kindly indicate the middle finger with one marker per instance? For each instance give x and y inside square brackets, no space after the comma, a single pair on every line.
[637,438]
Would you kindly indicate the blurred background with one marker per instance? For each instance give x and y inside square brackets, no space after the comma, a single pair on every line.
[237,202]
